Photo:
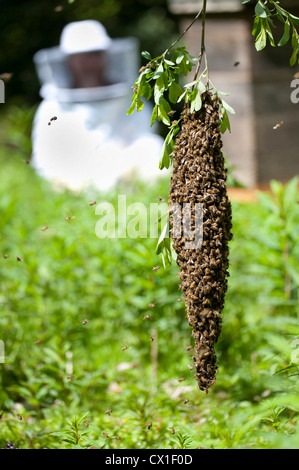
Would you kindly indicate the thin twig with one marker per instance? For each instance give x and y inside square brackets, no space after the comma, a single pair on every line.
[203,48]
[183,34]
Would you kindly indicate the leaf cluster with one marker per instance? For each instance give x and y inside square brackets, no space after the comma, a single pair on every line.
[266,13]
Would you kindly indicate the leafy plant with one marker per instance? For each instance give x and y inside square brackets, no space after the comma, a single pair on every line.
[266,14]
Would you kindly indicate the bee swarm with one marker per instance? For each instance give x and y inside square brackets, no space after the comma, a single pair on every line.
[199,176]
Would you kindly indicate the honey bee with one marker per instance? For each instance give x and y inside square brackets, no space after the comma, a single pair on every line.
[124,348]
[155,268]
[105,434]
[108,412]
[278,125]
[181,379]
[186,401]
[92,203]
[18,258]
[19,417]
[84,321]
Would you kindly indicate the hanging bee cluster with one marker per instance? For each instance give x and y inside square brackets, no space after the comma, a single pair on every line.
[199,176]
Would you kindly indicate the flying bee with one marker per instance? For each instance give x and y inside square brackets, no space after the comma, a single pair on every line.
[155,268]
[70,377]
[5,256]
[69,218]
[124,348]
[27,161]
[151,305]
[278,125]
[53,118]
[188,348]
[181,379]
[44,228]
[148,425]
[38,341]
[18,258]
[186,401]
[105,434]
[84,321]
[92,203]
[108,412]
[146,317]
[19,417]
[152,338]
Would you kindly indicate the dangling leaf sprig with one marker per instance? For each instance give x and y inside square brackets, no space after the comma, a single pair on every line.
[160,80]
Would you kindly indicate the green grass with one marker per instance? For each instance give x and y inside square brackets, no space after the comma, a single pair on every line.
[67,274]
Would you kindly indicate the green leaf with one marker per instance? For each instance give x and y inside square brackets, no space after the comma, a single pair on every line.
[295,45]
[164,234]
[260,10]
[294,19]
[169,62]
[132,107]
[227,107]
[158,72]
[256,26]
[269,32]
[180,58]
[165,161]
[201,87]
[261,39]
[286,34]
[175,92]
[146,55]
[182,96]
[225,124]
[163,110]
[293,58]
[196,101]
[154,115]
